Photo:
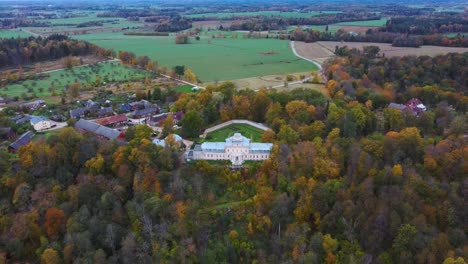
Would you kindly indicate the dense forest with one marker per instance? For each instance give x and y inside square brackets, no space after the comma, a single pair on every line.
[355,74]
[426,25]
[261,23]
[21,51]
[169,24]
[349,180]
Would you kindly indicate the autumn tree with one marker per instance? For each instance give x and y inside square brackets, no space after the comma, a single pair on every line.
[189,76]
[54,221]
[50,256]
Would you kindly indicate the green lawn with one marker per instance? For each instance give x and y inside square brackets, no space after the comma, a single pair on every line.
[184,88]
[247,131]
[263,13]
[108,72]
[367,23]
[13,34]
[211,59]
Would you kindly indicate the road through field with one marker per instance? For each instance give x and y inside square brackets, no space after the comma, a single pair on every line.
[293,47]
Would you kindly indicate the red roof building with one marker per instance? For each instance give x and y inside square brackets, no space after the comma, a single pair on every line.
[112,120]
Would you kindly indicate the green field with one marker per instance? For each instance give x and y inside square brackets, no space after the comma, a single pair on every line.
[183,88]
[13,34]
[108,72]
[222,59]
[365,23]
[247,131]
[262,13]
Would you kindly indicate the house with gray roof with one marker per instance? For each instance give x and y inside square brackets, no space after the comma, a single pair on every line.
[94,128]
[23,140]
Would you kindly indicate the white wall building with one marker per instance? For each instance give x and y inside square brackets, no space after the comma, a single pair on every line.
[40,123]
[237,149]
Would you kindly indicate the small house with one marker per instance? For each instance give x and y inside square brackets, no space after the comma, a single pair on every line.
[78,113]
[20,119]
[416,106]
[147,112]
[125,108]
[162,142]
[40,123]
[34,105]
[105,111]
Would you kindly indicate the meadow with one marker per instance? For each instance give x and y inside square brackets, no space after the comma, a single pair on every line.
[183,88]
[86,75]
[365,23]
[262,13]
[13,34]
[247,131]
[212,59]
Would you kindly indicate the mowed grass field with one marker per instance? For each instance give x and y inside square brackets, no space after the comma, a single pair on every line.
[247,131]
[108,72]
[263,13]
[13,34]
[183,88]
[215,59]
[365,23]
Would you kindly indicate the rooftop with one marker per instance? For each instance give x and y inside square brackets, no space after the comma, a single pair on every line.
[36,119]
[111,120]
[97,129]
[24,139]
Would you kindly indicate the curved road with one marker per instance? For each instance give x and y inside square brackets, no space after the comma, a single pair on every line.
[304,58]
[293,48]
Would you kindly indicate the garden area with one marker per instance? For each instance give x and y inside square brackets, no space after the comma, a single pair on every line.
[246,130]
[53,83]
[184,89]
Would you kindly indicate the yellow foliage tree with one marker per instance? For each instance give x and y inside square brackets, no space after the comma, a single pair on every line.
[190,76]
[397,170]
[50,256]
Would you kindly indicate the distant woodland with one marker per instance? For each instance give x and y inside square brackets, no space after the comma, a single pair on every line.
[21,51]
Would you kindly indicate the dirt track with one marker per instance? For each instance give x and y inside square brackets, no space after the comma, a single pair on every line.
[322,50]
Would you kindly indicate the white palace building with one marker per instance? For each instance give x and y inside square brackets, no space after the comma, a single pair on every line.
[237,149]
